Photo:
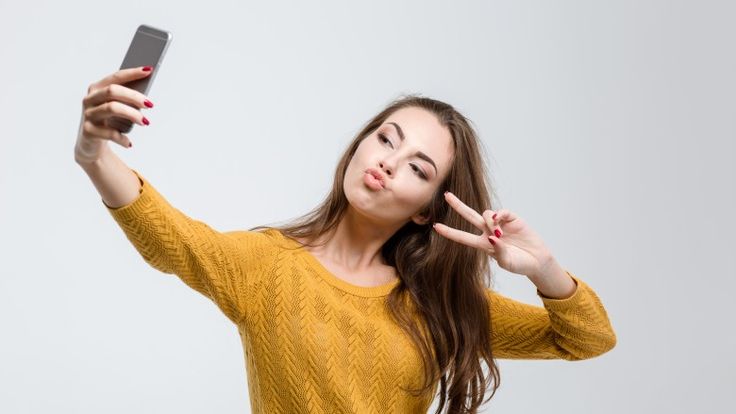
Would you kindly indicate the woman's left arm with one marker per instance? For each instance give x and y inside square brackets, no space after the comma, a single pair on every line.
[572,325]
[572,328]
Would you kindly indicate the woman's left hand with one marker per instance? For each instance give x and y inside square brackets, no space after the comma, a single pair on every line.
[516,247]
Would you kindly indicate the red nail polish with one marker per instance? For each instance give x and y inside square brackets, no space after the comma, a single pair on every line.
[497,233]
[145,121]
[491,240]
[147,68]
[130,144]
[148,103]
[494,215]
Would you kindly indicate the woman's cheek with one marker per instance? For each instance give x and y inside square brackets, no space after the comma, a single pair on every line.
[409,196]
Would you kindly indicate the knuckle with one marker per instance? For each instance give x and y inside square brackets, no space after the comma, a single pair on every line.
[87,127]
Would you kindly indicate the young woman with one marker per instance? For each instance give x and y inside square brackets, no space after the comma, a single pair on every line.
[381,292]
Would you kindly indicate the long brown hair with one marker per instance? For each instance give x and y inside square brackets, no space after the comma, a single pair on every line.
[442,281]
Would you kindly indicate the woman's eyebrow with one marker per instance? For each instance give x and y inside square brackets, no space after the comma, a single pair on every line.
[419,154]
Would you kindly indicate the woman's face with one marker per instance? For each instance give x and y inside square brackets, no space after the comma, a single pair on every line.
[410,179]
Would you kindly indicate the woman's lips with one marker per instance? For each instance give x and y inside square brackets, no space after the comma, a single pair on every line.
[372,182]
[374,172]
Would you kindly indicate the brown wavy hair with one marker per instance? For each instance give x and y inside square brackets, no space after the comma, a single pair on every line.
[452,331]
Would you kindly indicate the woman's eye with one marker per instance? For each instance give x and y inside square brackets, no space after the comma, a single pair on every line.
[419,171]
[383,138]
[416,169]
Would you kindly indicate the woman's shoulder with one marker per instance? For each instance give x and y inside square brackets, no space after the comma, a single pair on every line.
[266,238]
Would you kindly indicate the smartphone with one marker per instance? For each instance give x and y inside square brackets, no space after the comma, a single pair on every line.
[147,48]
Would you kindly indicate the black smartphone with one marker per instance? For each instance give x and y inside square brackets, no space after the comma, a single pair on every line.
[147,48]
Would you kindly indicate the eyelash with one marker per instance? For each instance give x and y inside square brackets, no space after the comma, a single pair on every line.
[418,171]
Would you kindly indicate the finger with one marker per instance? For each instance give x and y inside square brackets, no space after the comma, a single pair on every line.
[100,112]
[499,247]
[505,216]
[91,130]
[121,77]
[116,92]
[463,237]
[466,212]
[492,225]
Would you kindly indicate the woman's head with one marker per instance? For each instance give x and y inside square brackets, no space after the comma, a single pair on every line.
[441,301]
[413,151]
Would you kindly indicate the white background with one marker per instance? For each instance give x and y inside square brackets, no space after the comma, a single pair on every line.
[610,127]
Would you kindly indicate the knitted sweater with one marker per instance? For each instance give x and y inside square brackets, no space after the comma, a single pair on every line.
[316,343]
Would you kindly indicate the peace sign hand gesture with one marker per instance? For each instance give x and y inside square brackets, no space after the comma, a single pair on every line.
[506,238]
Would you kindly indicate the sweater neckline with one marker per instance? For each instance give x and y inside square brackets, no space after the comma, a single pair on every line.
[332,279]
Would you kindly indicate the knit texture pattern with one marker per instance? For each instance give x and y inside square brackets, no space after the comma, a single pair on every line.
[313,342]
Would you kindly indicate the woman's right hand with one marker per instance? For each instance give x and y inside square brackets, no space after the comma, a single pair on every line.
[107,98]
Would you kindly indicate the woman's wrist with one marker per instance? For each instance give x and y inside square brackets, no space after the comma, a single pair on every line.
[553,281]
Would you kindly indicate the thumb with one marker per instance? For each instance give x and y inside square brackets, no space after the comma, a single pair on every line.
[499,247]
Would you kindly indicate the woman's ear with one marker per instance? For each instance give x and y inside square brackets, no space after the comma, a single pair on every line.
[420,219]
[423,216]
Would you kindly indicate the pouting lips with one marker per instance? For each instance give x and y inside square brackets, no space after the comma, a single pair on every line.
[372,182]
[377,175]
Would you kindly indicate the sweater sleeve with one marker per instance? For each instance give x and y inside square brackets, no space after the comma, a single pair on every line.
[215,264]
[572,328]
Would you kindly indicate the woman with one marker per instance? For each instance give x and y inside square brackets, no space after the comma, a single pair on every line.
[379,293]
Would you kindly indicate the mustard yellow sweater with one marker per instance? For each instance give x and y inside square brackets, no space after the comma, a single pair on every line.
[315,343]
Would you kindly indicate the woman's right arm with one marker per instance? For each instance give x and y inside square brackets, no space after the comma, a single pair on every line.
[105,99]
[114,180]
[219,265]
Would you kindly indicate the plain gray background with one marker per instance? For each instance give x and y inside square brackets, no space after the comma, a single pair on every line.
[609,126]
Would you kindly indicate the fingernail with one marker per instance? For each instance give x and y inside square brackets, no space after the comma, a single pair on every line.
[147,68]
[497,233]
[148,103]
[130,144]
[491,240]
[446,192]
[494,215]
[145,121]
